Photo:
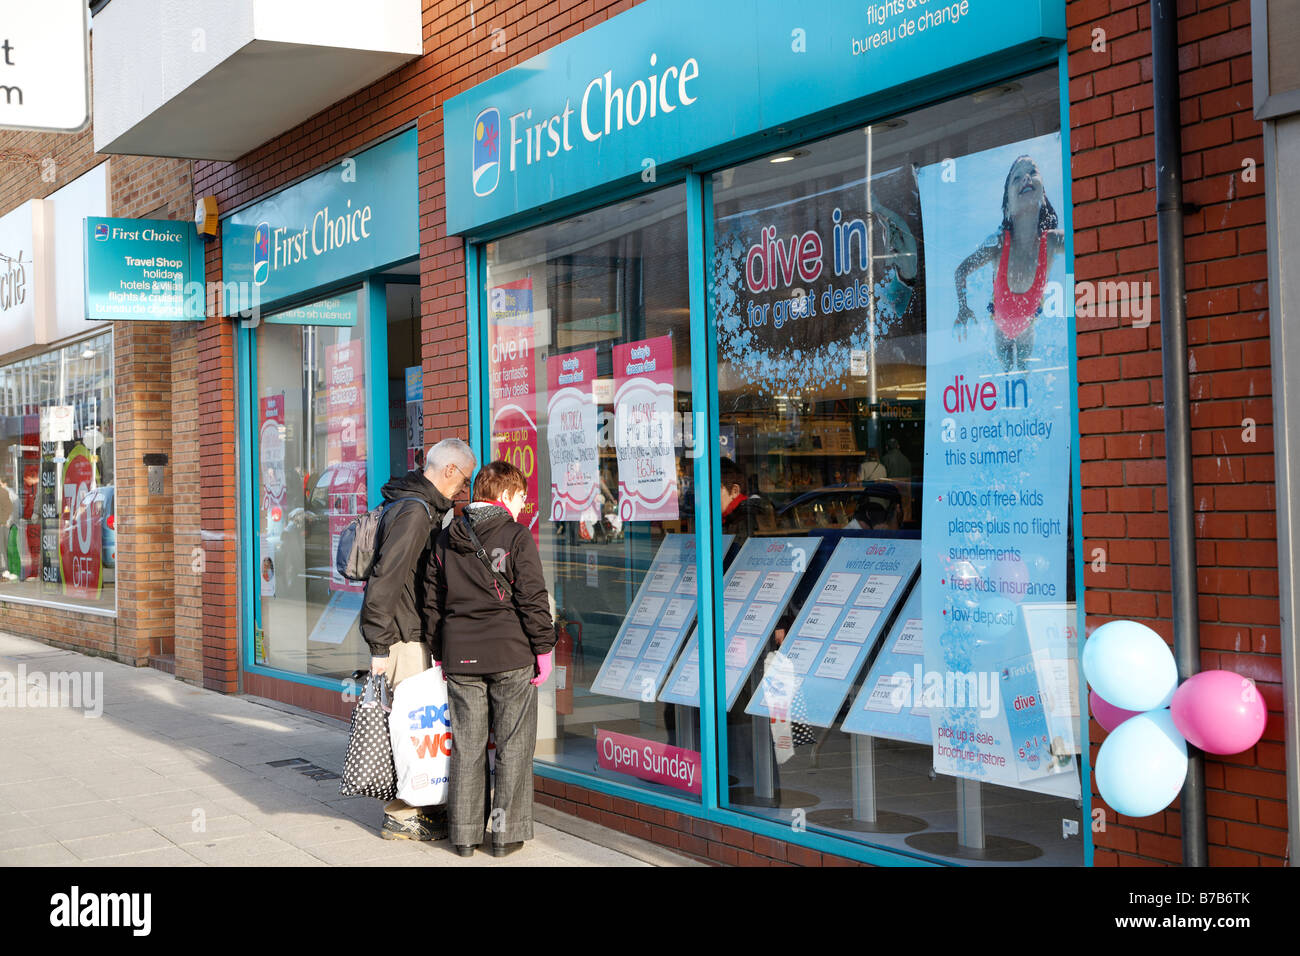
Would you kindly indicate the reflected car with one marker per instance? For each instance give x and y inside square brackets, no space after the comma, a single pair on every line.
[835,506]
[303,548]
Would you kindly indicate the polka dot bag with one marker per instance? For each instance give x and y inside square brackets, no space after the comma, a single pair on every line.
[368,769]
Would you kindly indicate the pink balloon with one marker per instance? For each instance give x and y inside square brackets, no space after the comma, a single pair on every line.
[1219,711]
[1108,715]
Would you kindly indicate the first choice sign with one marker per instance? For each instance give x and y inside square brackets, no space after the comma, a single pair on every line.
[145,269]
[44,80]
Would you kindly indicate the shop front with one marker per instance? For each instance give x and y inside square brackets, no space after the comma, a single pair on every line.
[772,312]
[57,478]
[329,383]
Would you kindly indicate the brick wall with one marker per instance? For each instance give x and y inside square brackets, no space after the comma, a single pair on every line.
[1121,392]
[711,842]
[459,53]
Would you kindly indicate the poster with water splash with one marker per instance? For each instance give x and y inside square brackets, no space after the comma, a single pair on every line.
[810,278]
[997,458]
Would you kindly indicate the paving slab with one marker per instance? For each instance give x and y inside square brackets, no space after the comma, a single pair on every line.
[126,787]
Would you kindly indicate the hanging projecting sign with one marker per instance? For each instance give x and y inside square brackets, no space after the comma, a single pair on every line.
[354,217]
[44,58]
[143,269]
[666,82]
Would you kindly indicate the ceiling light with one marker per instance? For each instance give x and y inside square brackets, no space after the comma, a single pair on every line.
[787,157]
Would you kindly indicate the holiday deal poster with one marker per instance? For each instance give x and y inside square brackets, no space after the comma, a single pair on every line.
[271,455]
[571,435]
[997,455]
[345,402]
[643,430]
[806,283]
[512,381]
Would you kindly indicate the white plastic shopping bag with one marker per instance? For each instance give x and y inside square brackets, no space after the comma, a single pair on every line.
[420,728]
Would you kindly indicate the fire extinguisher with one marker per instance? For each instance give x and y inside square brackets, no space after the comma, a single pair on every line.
[564,667]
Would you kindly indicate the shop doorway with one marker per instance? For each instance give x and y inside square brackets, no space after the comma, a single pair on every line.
[329,383]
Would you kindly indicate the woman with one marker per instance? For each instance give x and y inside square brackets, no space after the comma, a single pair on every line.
[489,620]
[1023,247]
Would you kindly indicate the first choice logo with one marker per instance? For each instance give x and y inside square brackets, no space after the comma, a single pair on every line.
[261,253]
[487,151]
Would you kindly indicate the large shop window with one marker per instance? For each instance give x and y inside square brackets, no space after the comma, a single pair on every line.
[590,379]
[57,513]
[894,390]
[897,626]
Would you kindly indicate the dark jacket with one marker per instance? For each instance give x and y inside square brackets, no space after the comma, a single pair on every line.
[390,611]
[750,515]
[472,627]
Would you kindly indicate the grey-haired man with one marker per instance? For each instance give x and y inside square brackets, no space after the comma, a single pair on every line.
[391,623]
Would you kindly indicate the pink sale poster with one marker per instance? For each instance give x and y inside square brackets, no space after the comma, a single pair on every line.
[571,435]
[643,430]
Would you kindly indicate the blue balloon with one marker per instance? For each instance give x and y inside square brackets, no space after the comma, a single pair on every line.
[1130,666]
[1142,764]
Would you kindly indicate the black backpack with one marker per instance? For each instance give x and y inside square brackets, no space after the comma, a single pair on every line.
[354,557]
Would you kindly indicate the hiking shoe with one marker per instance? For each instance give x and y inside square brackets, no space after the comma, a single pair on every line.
[414,827]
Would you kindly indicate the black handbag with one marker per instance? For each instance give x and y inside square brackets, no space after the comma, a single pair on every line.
[368,769]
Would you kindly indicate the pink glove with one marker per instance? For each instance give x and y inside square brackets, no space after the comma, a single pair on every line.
[544,664]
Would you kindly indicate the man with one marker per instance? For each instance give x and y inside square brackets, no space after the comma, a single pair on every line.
[897,465]
[391,618]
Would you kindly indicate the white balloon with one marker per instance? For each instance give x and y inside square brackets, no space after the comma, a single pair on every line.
[1130,666]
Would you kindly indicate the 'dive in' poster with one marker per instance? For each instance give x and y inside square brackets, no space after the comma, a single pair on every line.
[997,453]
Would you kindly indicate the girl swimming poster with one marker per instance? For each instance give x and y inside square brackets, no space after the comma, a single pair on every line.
[997,465]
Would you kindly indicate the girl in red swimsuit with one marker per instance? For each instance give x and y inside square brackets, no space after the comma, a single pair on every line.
[1023,248]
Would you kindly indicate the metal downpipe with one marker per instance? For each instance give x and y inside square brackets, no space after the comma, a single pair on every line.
[1178,452]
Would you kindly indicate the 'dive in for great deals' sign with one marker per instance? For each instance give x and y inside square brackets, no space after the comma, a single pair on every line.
[512,380]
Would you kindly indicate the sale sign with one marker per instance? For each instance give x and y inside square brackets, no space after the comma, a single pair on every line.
[345,383]
[512,381]
[643,430]
[571,435]
[80,548]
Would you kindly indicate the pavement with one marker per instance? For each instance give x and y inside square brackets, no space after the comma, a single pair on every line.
[135,768]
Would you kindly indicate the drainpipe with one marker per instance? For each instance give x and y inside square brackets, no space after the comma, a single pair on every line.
[1173,336]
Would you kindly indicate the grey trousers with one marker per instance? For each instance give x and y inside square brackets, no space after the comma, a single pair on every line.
[506,704]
